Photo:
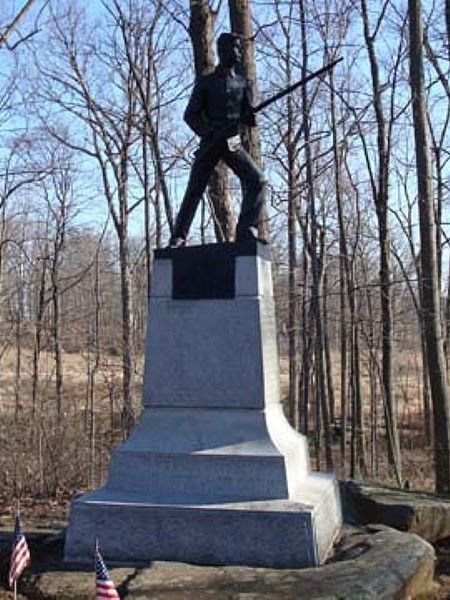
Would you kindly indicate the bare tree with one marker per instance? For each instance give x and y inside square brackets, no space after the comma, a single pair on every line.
[241,20]
[113,137]
[380,190]
[241,23]
[429,281]
[316,271]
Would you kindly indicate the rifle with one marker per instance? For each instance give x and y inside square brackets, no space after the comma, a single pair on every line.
[232,129]
[294,86]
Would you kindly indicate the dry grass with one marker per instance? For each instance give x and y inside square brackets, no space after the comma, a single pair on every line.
[417,455]
[43,455]
[71,442]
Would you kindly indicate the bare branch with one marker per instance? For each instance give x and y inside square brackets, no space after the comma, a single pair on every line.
[14,24]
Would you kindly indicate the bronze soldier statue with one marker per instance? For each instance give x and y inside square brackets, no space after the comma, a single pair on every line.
[219,103]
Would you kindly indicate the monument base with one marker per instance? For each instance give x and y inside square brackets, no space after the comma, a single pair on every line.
[225,492]
[213,473]
[270,533]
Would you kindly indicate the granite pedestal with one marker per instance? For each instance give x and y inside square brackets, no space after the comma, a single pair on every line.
[213,473]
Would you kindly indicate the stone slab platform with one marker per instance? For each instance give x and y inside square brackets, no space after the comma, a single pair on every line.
[370,563]
[423,513]
[276,533]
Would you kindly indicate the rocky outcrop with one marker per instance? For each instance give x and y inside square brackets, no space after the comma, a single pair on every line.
[370,563]
[427,515]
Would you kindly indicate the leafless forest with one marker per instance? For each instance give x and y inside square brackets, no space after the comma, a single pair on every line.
[93,163]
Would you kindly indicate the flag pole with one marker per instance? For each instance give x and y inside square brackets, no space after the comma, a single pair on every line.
[17,514]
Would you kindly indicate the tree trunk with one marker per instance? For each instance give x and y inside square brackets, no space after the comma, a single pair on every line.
[95,347]
[307,341]
[447,25]
[325,378]
[343,266]
[328,354]
[357,447]
[56,326]
[426,389]
[38,326]
[241,23]
[380,192]
[357,453]
[430,291]
[18,343]
[146,183]
[447,323]
[127,336]
[314,252]
[292,252]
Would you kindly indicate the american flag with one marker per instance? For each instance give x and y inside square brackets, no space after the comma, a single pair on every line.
[20,554]
[104,588]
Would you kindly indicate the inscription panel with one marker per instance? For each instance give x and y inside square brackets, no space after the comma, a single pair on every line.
[199,275]
[206,478]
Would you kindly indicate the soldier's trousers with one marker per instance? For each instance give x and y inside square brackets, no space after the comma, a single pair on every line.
[252,181]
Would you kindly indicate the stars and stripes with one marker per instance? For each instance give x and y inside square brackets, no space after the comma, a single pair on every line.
[20,554]
[104,588]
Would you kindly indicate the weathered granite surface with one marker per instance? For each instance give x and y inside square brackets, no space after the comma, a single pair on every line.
[371,563]
[427,515]
[213,474]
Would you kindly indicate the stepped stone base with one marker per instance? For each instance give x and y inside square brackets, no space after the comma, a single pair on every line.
[213,473]
[276,533]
